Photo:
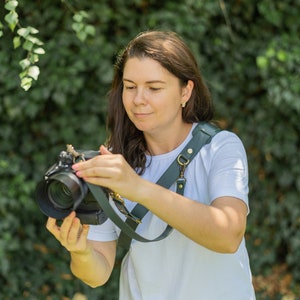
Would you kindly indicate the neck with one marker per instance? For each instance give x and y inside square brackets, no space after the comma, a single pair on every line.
[167,141]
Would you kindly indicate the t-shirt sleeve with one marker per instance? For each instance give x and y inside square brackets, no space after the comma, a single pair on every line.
[105,232]
[228,170]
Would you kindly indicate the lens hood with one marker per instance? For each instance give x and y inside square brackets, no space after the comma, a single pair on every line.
[51,203]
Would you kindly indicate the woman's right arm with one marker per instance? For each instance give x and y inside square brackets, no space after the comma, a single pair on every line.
[91,261]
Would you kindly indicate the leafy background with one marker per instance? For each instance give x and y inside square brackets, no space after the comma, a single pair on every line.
[54,77]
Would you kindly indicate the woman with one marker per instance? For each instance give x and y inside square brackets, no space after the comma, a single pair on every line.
[157,98]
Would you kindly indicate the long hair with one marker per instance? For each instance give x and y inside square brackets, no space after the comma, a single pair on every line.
[168,49]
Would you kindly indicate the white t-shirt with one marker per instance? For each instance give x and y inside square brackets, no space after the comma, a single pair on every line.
[177,268]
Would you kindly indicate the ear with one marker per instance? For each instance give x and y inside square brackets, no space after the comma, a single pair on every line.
[187,92]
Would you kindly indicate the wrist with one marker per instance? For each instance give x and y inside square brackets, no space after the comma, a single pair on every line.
[82,254]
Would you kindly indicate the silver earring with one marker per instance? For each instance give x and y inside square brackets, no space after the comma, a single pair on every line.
[183,104]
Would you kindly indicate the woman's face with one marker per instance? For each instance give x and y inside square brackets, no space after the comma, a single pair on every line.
[152,96]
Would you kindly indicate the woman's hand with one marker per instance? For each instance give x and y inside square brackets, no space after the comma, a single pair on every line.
[91,261]
[111,171]
[71,234]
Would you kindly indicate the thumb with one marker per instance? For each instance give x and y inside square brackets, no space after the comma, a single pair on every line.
[104,150]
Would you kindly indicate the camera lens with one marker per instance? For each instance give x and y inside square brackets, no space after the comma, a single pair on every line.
[60,195]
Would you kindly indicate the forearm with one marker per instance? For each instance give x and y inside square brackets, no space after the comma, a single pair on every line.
[91,261]
[91,267]
[219,227]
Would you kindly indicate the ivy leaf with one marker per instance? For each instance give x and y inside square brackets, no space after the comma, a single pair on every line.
[12,19]
[81,35]
[33,72]
[28,45]
[79,16]
[34,40]
[1,27]
[24,63]
[11,5]
[23,32]
[33,58]
[90,30]
[26,83]
[77,27]
[17,42]
[262,62]
[39,51]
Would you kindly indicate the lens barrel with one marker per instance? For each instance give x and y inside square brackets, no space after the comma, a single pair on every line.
[60,194]
[66,190]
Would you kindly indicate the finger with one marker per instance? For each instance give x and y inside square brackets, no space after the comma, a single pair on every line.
[104,150]
[101,169]
[87,164]
[66,226]
[75,231]
[84,232]
[95,162]
[52,227]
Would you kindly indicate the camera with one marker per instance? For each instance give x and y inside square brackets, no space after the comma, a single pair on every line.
[61,191]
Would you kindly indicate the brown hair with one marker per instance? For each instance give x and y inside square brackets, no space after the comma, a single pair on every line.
[168,49]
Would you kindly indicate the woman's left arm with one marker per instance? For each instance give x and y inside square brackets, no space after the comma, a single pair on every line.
[219,227]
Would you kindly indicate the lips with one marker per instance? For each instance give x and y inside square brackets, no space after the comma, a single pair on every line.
[141,115]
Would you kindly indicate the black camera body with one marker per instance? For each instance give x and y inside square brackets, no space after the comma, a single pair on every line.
[61,191]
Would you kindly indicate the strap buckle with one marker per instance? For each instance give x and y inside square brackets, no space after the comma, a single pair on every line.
[181,180]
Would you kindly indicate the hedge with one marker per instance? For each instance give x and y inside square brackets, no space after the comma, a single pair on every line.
[248,52]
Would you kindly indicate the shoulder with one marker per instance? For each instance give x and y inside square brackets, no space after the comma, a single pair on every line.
[224,146]
[225,138]
[218,135]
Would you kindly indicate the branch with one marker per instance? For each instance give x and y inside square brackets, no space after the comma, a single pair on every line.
[26,38]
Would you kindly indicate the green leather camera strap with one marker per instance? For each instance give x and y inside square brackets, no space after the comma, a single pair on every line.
[202,135]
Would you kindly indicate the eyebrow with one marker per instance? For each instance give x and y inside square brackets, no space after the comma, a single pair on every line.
[148,82]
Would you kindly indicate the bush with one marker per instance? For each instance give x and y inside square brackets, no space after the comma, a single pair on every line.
[249,54]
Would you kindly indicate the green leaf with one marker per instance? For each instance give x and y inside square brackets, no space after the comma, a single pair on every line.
[11,5]
[90,30]
[32,30]
[271,52]
[34,72]
[262,62]
[17,42]
[24,63]
[28,45]
[33,58]
[23,74]
[281,55]
[23,32]
[77,27]
[78,18]
[26,83]
[12,19]
[39,51]
[84,14]
[81,35]
[34,40]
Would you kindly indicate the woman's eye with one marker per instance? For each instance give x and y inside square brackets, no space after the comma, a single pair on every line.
[155,88]
[129,87]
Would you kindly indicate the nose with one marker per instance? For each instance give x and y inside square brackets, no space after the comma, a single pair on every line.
[139,97]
